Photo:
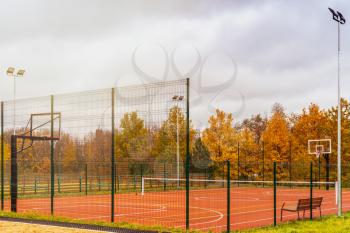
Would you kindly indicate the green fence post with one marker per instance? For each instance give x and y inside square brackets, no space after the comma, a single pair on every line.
[164,175]
[274,194]
[86,179]
[80,183]
[290,164]
[24,185]
[52,143]
[99,183]
[2,150]
[112,153]
[134,181]
[128,182]
[238,163]
[118,177]
[311,191]
[223,177]
[263,163]
[319,172]
[115,178]
[188,155]
[59,183]
[228,197]
[35,185]
[141,176]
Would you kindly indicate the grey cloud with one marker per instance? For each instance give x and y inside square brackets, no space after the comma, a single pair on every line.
[285,50]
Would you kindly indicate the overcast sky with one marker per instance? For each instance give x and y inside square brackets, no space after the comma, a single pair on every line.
[261,52]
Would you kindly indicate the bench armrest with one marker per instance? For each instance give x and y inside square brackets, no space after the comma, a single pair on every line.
[283,205]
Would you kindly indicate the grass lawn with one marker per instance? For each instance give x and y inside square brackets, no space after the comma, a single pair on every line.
[330,224]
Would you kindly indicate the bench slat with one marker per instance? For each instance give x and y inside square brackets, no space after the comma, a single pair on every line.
[304,204]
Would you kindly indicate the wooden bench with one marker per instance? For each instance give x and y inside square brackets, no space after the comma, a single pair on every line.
[303,205]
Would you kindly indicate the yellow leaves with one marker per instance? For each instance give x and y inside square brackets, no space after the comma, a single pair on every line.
[312,123]
[220,138]
[132,138]
[7,152]
[276,137]
[65,151]
[165,139]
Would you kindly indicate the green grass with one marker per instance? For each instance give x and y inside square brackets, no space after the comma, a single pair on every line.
[329,224]
[37,216]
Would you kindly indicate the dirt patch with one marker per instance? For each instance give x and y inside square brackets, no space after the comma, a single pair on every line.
[10,227]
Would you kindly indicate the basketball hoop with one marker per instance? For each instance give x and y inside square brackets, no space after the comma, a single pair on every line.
[318,153]
[319,150]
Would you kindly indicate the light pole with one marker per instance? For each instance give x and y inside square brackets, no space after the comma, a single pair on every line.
[339,18]
[11,73]
[177,99]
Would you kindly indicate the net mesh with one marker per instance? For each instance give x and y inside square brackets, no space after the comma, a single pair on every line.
[149,181]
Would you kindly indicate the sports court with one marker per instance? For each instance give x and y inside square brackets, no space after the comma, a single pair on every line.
[250,206]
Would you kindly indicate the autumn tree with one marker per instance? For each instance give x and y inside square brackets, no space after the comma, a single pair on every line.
[220,137]
[310,124]
[132,137]
[65,153]
[7,155]
[165,142]
[7,152]
[132,141]
[276,138]
[256,125]
[249,153]
[332,115]
[200,156]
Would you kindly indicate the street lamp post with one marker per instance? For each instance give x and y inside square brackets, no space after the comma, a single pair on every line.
[11,73]
[177,99]
[339,18]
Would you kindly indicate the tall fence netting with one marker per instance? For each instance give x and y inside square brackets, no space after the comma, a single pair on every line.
[121,156]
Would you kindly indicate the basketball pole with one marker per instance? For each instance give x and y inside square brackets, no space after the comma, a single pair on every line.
[14,105]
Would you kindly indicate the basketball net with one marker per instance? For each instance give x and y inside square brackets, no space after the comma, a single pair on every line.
[318,153]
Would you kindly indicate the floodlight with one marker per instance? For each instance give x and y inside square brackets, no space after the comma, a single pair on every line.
[177,98]
[335,15]
[20,73]
[341,17]
[10,71]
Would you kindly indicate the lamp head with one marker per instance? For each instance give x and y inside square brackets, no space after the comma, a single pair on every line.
[341,18]
[20,73]
[10,71]
[337,16]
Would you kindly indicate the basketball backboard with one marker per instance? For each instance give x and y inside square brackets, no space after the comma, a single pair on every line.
[39,125]
[39,128]
[319,146]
